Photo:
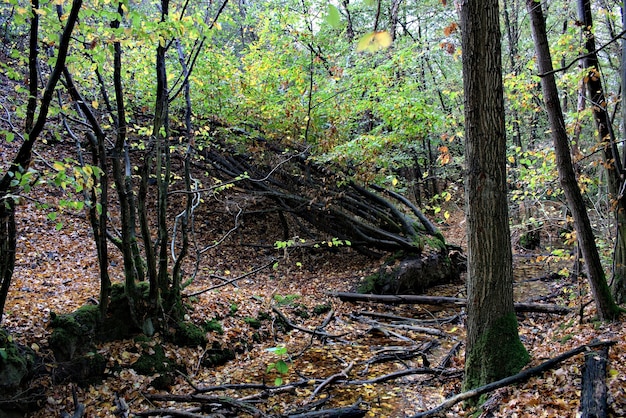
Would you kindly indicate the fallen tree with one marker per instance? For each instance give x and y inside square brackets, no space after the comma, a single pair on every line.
[368,217]
[440,301]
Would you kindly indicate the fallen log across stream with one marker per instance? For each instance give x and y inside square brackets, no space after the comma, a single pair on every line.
[440,301]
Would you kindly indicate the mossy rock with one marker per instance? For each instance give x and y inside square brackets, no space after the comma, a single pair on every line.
[216,356]
[253,322]
[16,363]
[74,333]
[152,361]
[187,334]
[322,309]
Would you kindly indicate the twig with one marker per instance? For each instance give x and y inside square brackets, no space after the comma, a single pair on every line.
[521,376]
[344,373]
[315,332]
[226,283]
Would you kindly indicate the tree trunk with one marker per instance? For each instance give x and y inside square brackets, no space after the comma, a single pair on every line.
[612,160]
[606,307]
[33,128]
[494,349]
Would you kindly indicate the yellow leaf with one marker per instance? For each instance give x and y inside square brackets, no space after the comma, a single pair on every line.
[58,166]
[374,41]
[94,104]
[218,25]
[394,181]
[511,159]
[446,215]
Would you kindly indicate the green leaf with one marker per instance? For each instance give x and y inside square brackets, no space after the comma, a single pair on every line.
[10,136]
[278,381]
[3,353]
[280,350]
[282,367]
[333,17]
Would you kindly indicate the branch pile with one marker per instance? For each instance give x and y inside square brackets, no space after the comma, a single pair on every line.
[367,216]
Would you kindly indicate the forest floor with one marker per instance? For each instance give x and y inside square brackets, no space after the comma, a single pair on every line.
[56,271]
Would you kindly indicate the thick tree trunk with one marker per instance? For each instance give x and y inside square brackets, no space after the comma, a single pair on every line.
[606,307]
[494,349]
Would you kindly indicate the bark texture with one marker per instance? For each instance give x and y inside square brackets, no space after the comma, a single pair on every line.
[493,348]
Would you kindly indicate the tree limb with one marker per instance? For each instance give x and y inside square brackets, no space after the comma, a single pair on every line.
[521,376]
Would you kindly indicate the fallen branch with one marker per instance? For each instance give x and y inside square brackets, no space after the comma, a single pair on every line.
[221,401]
[440,301]
[521,376]
[344,373]
[233,281]
[405,372]
[352,411]
[406,319]
[423,330]
[315,332]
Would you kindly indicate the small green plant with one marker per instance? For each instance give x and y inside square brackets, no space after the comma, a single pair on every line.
[280,366]
[233,309]
[285,300]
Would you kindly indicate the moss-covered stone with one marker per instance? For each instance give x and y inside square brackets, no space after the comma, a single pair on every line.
[216,356]
[188,335]
[253,322]
[322,309]
[152,361]
[16,363]
[74,333]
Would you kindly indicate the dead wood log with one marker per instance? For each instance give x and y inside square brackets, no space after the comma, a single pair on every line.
[207,401]
[439,301]
[520,377]
[352,411]
[423,330]
[593,402]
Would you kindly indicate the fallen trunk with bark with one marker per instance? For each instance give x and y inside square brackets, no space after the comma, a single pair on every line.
[441,301]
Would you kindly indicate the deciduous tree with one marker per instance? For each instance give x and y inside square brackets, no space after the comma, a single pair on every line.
[493,348]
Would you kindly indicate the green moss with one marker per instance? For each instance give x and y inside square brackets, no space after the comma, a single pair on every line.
[498,353]
[153,361]
[321,309]
[15,362]
[253,322]
[213,326]
[188,335]
[74,333]
[368,284]
[264,316]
